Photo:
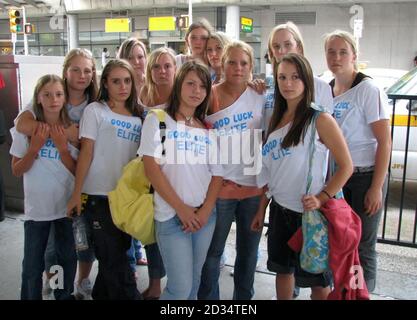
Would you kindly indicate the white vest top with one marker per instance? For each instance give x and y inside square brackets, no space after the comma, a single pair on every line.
[239,141]
[285,170]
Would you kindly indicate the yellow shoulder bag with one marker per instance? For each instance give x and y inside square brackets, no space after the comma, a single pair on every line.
[131,203]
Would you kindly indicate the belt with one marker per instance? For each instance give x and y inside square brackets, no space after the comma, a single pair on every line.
[363,169]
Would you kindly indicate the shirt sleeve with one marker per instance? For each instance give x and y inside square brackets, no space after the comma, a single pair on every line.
[215,167]
[375,103]
[29,108]
[150,142]
[19,145]
[263,177]
[324,95]
[89,123]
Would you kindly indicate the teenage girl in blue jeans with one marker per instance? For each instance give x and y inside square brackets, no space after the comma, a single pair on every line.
[186,182]
[239,197]
[47,162]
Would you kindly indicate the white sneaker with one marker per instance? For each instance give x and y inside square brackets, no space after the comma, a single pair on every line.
[83,290]
[46,288]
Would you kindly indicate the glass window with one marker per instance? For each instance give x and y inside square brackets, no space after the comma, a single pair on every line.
[52,51]
[84,38]
[51,39]
[103,37]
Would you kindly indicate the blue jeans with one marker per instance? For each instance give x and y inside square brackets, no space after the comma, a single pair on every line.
[36,238]
[354,192]
[86,255]
[247,243]
[134,253]
[183,255]
[50,255]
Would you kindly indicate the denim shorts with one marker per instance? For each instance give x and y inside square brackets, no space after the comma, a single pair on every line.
[283,223]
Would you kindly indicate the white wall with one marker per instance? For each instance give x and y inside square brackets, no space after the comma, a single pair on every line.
[389,36]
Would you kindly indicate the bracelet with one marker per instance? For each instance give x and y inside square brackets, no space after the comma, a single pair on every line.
[326,193]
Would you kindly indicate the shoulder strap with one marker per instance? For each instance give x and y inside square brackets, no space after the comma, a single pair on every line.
[312,149]
[359,78]
[162,126]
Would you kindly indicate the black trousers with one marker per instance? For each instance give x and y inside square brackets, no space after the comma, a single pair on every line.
[115,279]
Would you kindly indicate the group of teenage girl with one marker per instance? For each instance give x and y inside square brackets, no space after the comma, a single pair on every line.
[72,143]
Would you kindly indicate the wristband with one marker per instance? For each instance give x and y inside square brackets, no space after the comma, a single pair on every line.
[326,193]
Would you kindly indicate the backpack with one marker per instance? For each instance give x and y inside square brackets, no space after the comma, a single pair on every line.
[131,202]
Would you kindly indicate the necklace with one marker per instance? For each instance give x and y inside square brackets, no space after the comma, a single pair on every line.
[189,119]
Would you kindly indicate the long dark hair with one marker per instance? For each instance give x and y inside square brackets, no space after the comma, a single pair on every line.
[304,112]
[202,72]
[132,102]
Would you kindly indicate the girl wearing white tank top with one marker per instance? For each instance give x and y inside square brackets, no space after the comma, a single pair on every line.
[287,150]
[235,111]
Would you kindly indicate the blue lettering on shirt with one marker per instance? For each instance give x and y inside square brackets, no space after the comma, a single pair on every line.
[340,108]
[221,123]
[274,147]
[243,116]
[128,135]
[49,151]
[127,130]
[269,100]
[184,141]
[191,146]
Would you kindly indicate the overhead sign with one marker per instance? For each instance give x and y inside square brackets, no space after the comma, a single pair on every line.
[117,25]
[162,23]
[246,24]
[183,22]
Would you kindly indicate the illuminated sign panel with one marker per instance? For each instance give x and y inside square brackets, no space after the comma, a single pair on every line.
[162,23]
[117,25]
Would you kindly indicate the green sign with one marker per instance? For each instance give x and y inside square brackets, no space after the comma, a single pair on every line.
[247,28]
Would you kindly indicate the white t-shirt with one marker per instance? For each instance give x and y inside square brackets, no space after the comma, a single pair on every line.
[239,143]
[180,59]
[322,95]
[116,140]
[285,170]
[189,165]
[48,184]
[75,113]
[354,111]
